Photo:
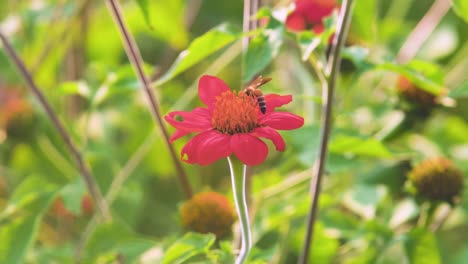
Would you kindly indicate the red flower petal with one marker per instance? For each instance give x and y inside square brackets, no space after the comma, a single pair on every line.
[206,147]
[316,12]
[178,134]
[249,149]
[271,134]
[209,87]
[273,101]
[318,29]
[196,121]
[295,22]
[282,120]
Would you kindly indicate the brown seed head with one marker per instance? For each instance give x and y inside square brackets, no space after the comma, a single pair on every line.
[413,94]
[208,212]
[437,179]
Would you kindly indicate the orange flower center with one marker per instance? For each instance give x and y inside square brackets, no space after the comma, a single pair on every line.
[235,113]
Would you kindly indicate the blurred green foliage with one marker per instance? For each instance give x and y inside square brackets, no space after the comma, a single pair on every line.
[367,214]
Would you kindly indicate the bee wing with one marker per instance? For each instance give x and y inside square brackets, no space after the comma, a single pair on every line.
[258,81]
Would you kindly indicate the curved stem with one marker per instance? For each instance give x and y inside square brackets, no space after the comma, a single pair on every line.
[238,173]
[133,54]
[85,171]
[331,72]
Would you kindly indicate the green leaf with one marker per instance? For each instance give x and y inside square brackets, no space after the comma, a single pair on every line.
[421,247]
[357,55]
[352,145]
[74,88]
[200,48]
[145,10]
[364,20]
[425,75]
[462,256]
[363,199]
[168,20]
[461,8]
[118,86]
[321,252]
[72,195]
[263,49]
[188,246]
[306,142]
[307,41]
[111,240]
[18,231]
[459,92]
[394,253]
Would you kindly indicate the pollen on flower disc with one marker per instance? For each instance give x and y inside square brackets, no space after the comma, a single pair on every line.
[208,212]
[235,113]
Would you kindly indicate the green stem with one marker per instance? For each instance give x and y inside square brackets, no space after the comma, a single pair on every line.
[238,173]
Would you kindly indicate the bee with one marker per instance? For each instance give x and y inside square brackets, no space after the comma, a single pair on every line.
[253,90]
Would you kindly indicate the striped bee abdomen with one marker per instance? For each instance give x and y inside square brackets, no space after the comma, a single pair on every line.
[261,103]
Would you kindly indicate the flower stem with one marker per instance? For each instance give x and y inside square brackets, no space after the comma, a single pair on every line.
[133,54]
[331,72]
[238,175]
[423,30]
[76,154]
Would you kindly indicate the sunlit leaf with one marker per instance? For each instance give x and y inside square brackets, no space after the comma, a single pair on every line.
[320,252]
[306,140]
[19,230]
[145,10]
[421,247]
[394,253]
[363,27]
[188,246]
[307,41]
[357,55]
[200,48]
[75,88]
[263,49]
[72,195]
[118,86]
[460,91]
[461,8]
[115,240]
[363,199]
[424,75]
[351,145]
[168,21]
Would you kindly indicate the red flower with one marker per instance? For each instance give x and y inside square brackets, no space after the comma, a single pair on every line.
[231,124]
[309,14]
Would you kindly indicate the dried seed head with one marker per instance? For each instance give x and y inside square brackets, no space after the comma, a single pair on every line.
[208,212]
[415,95]
[437,179]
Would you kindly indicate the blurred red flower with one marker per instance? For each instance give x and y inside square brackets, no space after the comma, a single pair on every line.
[309,14]
[231,124]
[12,104]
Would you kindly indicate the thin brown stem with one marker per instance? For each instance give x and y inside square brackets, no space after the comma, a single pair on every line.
[331,71]
[422,31]
[246,24]
[83,168]
[133,54]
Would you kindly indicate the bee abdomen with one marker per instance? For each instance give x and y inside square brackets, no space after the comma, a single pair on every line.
[261,104]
